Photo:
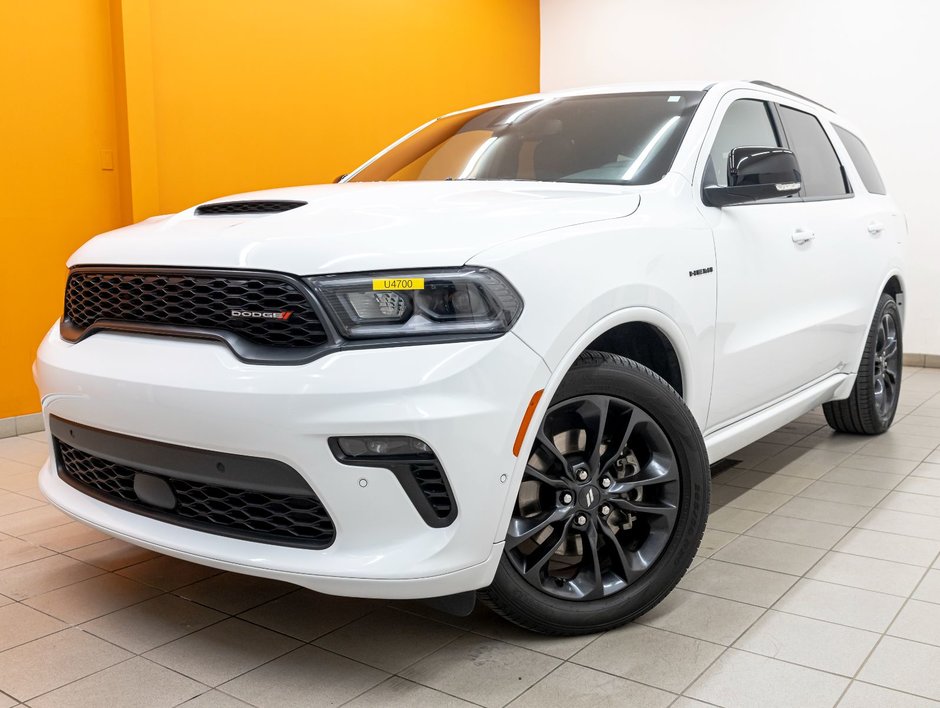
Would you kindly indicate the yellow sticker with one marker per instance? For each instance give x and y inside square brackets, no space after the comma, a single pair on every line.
[398,284]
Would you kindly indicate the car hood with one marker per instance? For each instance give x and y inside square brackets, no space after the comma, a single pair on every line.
[361,226]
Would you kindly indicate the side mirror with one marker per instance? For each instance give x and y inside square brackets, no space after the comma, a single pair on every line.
[756,173]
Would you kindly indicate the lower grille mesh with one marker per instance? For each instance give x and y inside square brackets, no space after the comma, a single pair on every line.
[431,483]
[250,514]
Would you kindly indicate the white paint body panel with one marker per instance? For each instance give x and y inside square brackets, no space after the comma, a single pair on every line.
[361,226]
[773,331]
[187,393]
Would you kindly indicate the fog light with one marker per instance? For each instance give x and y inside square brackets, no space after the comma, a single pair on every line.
[383,446]
[413,463]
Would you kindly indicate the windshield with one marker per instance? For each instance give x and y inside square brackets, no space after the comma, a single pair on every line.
[627,138]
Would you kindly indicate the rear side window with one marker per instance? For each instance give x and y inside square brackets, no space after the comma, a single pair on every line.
[862,160]
[746,123]
[819,165]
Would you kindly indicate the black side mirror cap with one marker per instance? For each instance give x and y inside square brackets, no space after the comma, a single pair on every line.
[756,174]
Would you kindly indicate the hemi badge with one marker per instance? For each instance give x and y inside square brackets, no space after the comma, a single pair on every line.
[701,271]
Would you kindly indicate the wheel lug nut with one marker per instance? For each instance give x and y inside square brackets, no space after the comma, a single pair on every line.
[605,483]
[582,475]
[605,510]
[580,520]
[567,498]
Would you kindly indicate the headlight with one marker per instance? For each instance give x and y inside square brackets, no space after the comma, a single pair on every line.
[458,302]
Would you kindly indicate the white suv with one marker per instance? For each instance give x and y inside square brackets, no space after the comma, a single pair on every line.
[497,357]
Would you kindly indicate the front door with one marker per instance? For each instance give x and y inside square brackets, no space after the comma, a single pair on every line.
[777,329]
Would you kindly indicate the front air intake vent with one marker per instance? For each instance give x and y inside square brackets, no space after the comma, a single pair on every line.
[419,471]
[249,498]
[431,481]
[248,206]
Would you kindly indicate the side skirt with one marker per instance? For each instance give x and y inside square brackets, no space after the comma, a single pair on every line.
[724,441]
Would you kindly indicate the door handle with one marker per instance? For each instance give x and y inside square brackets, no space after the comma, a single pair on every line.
[801,236]
[875,228]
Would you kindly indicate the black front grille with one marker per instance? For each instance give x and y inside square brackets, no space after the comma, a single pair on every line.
[284,317]
[251,514]
[248,206]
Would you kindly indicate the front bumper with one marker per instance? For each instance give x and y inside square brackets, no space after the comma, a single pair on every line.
[466,400]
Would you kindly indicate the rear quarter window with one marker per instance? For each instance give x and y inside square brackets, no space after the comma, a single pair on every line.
[862,160]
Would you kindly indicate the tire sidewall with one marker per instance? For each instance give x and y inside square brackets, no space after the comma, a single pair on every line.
[888,305]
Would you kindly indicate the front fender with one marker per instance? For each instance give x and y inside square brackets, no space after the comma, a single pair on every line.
[695,383]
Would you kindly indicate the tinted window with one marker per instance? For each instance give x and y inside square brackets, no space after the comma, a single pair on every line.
[819,164]
[627,138]
[862,160]
[746,123]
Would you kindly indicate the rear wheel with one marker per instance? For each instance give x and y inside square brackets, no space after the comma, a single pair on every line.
[870,408]
[612,506]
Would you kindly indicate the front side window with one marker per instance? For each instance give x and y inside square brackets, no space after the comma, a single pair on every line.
[746,123]
[629,138]
[820,168]
[863,161]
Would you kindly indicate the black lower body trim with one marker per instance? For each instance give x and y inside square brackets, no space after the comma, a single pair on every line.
[422,478]
[249,498]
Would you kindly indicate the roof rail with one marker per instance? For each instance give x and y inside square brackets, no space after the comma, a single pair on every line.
[767,84]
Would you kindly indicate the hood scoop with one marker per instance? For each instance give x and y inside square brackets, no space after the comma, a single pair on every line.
[248,206]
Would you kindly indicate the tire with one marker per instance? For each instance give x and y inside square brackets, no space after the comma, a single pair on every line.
[870,408]
[642,484]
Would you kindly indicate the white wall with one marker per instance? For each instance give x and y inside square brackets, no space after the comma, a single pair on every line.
[875,61]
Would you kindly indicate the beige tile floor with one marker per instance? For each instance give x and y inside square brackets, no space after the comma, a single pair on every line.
[818,583]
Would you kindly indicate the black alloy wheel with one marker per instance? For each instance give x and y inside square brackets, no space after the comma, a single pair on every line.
[873,401]
[612,504]
[887,362]
[598,502]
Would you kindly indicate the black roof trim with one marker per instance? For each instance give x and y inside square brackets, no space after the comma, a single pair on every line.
[767,84]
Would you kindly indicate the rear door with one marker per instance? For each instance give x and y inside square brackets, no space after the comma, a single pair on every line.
[849,227]
[876,228]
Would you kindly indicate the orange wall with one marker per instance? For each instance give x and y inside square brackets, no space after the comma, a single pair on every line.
[56,118]
[204,98]
[262,94]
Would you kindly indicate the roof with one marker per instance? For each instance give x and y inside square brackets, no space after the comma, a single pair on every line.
[642,87]
[681,86]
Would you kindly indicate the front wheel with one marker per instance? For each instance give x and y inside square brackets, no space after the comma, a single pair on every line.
[612,505]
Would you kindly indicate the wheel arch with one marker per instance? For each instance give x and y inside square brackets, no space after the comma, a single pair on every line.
[646,344]
[611,334]
[894,286]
